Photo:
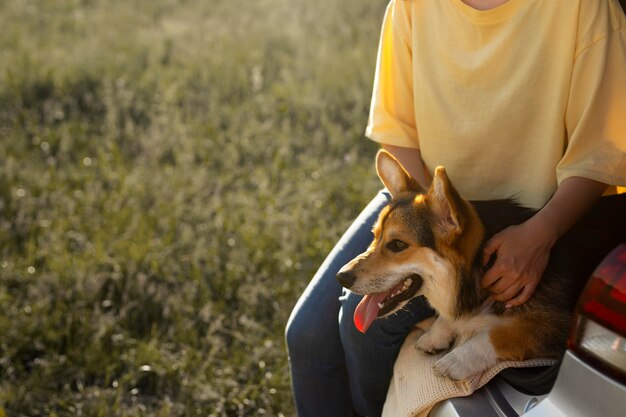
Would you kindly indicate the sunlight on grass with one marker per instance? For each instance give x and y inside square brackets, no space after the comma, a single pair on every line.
[171,174]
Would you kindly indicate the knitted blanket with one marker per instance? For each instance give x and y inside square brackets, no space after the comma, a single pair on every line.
[415,389]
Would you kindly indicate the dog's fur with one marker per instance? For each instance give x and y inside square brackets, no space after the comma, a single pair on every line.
[430,243]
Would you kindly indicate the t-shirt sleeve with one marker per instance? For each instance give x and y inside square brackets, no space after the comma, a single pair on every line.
[596,114]
[392,116]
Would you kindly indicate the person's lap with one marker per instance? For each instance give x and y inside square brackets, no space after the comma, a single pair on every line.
[335,369]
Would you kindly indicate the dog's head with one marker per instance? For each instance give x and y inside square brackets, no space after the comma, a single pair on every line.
[422,241]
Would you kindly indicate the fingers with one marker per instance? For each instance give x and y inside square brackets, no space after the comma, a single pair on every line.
[516,271]
[505,285]
[492,275]
[490,248]
[523,296]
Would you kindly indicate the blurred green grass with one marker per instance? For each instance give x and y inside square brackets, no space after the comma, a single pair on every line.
[171,174]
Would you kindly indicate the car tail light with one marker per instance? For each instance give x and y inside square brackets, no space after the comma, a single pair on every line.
[599,332]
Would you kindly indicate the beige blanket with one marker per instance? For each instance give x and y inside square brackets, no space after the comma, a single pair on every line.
[415,389]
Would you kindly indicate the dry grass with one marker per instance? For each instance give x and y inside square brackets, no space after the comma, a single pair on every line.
[171,174]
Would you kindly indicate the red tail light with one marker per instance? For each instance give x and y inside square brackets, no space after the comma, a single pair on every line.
[599,332]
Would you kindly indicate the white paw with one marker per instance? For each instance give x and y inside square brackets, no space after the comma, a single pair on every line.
[470,358]
[433,342]
[455,366]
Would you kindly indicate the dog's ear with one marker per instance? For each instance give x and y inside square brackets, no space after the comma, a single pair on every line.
[393,175]
[446,203]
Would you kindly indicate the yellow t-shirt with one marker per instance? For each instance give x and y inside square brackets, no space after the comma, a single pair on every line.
[511,100]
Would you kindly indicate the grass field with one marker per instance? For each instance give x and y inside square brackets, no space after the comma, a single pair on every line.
[171,174]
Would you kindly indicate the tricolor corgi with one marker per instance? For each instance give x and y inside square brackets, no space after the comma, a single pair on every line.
[430,243]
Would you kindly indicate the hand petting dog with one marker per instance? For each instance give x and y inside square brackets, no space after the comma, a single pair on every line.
[522,253]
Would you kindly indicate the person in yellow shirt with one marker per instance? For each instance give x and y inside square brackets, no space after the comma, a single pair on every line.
[522,99]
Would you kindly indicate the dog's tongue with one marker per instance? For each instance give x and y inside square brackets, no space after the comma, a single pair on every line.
[367,311]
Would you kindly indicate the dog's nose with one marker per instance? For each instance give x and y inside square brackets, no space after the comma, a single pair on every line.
[346,278]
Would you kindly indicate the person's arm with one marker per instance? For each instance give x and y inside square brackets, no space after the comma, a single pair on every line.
[411,160]
[522,251]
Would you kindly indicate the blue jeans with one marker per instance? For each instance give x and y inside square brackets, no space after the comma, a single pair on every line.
[337,371]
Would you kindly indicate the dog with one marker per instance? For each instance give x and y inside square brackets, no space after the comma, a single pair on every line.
[430,243]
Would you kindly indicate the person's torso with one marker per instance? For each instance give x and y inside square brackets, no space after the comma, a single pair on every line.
[491,90]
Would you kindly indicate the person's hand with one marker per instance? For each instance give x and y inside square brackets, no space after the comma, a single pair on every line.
[522,254]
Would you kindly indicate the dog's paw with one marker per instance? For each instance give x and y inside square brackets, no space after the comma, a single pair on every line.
[455,367]
[468,359]
[433,342]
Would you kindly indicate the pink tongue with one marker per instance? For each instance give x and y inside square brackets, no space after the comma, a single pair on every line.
[367,311]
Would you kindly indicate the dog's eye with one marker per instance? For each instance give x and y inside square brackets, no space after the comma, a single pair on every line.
[397,245]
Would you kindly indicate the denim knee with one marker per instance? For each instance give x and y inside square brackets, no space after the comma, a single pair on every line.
[297,338]
[308,343]
[319,379]
[292,337]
